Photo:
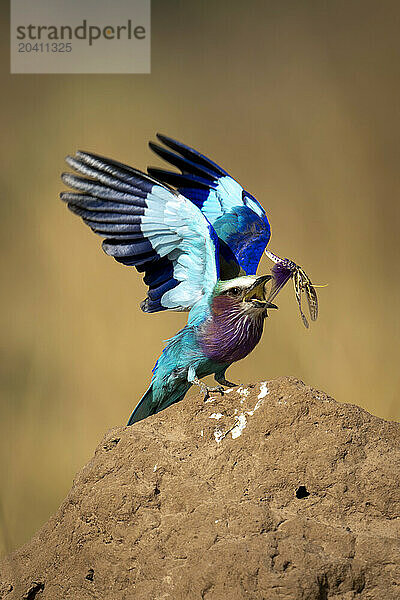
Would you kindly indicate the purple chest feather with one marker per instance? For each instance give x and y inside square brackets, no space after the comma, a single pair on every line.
[232,332]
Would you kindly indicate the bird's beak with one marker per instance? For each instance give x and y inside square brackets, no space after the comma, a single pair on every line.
[256,293]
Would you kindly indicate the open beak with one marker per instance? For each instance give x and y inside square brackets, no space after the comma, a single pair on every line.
[256,293]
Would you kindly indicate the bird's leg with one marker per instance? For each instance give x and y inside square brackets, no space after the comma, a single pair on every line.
[193,379]
[208,390]
[220,378]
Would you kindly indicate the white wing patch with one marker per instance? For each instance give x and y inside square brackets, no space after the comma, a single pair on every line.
[178,230]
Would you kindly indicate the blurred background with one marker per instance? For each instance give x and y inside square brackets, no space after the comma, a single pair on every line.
[300,102]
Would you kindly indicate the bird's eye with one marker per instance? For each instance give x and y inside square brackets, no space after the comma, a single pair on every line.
[235,291]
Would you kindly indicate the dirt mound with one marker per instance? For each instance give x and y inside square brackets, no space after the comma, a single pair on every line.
[274,491]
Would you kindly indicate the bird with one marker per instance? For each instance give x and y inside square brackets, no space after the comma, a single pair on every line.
[198,237]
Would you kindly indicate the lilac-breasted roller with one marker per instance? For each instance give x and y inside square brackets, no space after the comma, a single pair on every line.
[198,237]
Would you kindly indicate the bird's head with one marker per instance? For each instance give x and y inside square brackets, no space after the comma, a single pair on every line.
[245,294]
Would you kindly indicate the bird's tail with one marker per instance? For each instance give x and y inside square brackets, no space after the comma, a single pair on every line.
[144,408]
[151,403]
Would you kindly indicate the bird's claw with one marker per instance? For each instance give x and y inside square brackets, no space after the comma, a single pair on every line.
[211,390]
[205,389]
[225,382]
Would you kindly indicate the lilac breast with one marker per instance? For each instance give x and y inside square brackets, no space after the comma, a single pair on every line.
[230,335]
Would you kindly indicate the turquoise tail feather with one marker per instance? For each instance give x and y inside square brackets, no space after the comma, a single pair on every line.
[144,408]
[152,402]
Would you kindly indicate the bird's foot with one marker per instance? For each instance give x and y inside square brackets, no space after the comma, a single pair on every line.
[206,390]
[211,390]
[221,379]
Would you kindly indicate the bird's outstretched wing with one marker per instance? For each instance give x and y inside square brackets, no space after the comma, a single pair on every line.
[237,217]
[147,225]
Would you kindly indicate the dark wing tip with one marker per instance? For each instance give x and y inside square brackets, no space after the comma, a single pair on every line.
[155,147]
[178,180]
[65,196]
[191,154]
[66,177]
[165,139]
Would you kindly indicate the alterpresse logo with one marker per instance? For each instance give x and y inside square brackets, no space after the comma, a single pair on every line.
[84,31]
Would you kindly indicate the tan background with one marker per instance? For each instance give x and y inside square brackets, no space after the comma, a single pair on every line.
[300,102]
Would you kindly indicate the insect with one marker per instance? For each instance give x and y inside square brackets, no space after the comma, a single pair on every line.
[282,271]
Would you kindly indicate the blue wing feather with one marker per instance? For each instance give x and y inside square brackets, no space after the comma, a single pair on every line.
[239,220]
[147,225]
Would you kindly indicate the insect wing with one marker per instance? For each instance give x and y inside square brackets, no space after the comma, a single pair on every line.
[281,274]
[282,271]
[312,301]
[298,289]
